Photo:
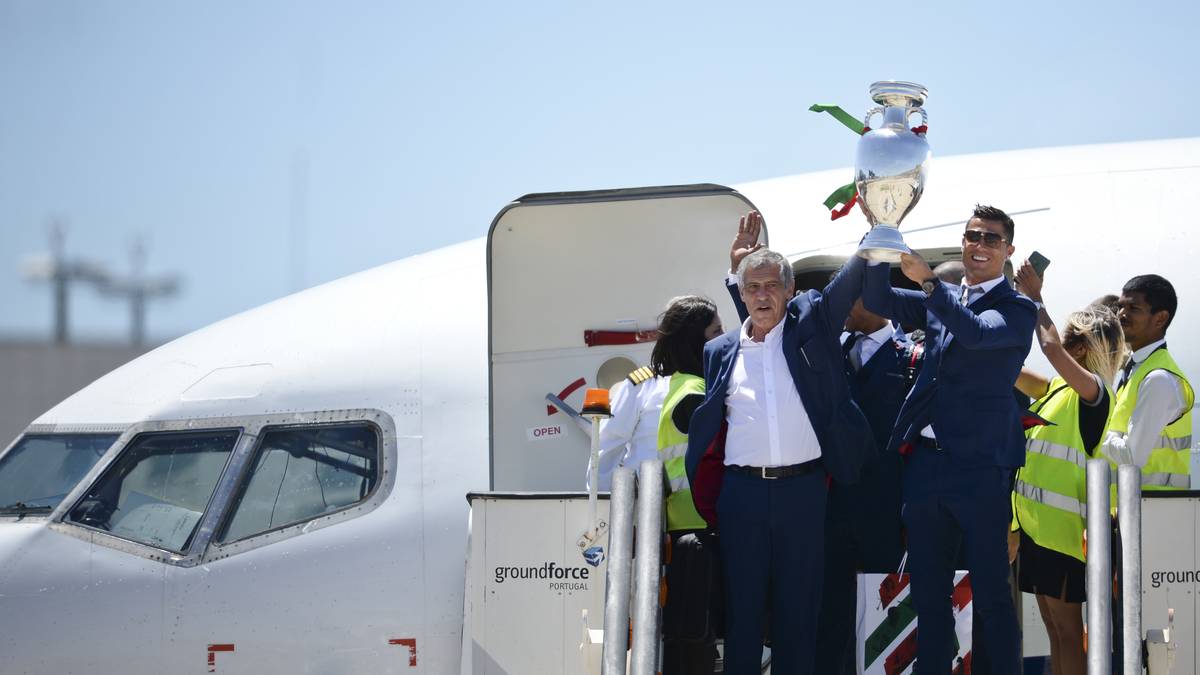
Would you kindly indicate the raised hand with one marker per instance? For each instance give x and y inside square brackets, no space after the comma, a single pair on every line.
[1028,282]
[746,241]
[915,267]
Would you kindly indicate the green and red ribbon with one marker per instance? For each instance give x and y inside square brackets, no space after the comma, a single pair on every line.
[847,195]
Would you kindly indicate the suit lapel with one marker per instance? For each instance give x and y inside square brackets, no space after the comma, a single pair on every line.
[984,303]
[730,355]
[998,292]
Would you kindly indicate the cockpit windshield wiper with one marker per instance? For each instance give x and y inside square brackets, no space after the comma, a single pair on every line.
[23,509]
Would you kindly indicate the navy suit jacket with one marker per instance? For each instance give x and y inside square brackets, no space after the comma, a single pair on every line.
[972,358]
[881,385]
[812,325]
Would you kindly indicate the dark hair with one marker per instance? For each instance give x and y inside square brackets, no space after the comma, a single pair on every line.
[996,216]
[1108,300]
[680,346]
[1159,294]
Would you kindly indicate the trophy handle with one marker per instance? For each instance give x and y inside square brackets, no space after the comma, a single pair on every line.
[870,114]
[924,116]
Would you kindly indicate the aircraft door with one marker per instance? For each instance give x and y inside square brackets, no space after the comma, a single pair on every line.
[576,283]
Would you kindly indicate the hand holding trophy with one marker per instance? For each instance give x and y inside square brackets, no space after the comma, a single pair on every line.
[890,167]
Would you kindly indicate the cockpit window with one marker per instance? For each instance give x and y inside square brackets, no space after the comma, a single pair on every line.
[301,473]
[42,468]
[157,490]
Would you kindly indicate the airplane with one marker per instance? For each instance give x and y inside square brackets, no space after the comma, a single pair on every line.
[283,490]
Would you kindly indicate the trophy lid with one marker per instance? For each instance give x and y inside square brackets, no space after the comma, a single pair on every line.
[899,93]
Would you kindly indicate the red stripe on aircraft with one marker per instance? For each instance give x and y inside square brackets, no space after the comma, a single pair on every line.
[604,338]
[411,643]
[570,389]
[212,655]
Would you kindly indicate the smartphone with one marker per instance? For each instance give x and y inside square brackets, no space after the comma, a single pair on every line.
[1039,262]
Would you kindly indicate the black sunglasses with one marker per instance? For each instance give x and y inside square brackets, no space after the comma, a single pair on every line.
[990,239]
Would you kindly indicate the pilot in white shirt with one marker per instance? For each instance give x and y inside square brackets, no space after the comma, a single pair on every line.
[631,434]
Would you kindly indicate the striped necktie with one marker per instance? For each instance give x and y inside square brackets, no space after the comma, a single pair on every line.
[969,293]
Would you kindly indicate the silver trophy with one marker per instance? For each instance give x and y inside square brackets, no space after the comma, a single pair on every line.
[890,167]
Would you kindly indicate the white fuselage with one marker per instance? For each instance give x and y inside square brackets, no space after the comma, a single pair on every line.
[407,347]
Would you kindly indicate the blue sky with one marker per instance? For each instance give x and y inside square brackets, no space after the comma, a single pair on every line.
[412,124]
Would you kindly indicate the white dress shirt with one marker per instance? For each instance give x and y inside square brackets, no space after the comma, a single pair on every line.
[974,293]
[1160,401]
[867,345]
[631,434]
[768,425]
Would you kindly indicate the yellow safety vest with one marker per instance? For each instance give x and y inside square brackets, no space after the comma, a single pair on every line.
[1050,495]
[672,446]
[1167,468]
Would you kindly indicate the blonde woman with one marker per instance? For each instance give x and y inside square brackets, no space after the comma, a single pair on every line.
[1050,495]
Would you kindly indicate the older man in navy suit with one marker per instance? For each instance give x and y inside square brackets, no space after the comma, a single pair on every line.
[863,531]
[776,417]
[961,430]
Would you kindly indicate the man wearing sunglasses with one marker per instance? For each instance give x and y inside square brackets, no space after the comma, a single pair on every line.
[960,430]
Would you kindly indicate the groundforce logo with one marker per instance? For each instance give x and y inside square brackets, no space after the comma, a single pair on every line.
[560,578]
[1174,577]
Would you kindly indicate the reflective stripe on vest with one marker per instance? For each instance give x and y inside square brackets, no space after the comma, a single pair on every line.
[1050,494]
[672,446]
[1051,499]
[1057,451]
[1166,481]
[1168,463]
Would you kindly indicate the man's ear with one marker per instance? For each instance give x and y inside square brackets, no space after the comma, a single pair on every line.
[1160,319]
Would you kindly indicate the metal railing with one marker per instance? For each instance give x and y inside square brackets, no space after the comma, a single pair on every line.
[620,564]
[1099,567]
[1099,570]
[643,569]
[1129,523]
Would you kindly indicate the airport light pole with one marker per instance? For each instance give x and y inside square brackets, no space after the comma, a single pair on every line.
[55,269]
[60,273]
[139,288]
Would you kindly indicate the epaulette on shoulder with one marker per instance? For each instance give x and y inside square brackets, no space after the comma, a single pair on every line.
[640,375]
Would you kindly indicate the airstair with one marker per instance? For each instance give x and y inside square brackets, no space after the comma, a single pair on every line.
[540,599]
[595,610]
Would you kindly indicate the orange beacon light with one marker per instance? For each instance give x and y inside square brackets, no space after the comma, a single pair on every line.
[595,403]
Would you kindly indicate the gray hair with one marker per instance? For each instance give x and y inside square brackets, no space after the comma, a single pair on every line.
[765,257]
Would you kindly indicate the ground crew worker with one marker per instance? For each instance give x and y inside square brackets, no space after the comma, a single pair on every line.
[1151,426]
[1050,494]
[689,636]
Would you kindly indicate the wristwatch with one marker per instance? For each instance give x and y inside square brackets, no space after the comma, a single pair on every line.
[928,285]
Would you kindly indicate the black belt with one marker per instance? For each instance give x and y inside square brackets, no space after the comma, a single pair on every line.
[773,472]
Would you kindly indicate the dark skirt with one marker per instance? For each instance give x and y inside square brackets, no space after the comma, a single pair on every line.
[1044,571]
